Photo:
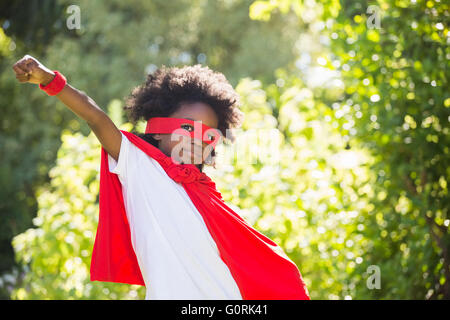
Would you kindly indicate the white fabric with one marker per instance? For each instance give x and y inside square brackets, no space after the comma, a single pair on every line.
[177,256]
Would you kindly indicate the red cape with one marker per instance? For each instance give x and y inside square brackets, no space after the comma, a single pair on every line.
[261,269]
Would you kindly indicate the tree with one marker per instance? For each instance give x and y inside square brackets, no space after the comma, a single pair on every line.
[395,104]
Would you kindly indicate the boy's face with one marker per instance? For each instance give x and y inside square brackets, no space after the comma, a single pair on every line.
[186,149]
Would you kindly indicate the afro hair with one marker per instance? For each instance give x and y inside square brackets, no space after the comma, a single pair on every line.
[168,87]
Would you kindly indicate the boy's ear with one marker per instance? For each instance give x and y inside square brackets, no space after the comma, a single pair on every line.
[156,136]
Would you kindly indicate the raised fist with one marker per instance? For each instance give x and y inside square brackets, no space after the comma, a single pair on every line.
[29,69]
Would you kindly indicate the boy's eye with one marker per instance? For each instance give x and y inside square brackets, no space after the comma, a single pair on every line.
[187,127]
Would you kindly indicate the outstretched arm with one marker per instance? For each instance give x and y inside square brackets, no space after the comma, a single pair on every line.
[29,69]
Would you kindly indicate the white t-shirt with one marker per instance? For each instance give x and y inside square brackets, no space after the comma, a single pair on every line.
[177,256]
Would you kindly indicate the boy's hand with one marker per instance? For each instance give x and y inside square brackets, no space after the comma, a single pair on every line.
[29,69]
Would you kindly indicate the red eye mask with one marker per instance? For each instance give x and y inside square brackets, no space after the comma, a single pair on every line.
[199,131]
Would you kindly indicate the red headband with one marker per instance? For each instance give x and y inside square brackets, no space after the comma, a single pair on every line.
[174,125]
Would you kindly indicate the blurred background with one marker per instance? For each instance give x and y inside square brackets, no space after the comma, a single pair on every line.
[355,96]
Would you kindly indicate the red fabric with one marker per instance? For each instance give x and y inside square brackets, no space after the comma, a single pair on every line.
[56,85]
[258,265]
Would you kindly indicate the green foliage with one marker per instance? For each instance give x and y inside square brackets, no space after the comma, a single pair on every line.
[396,75]
[29,139]
[395,105]
[37,32]
[57,250]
